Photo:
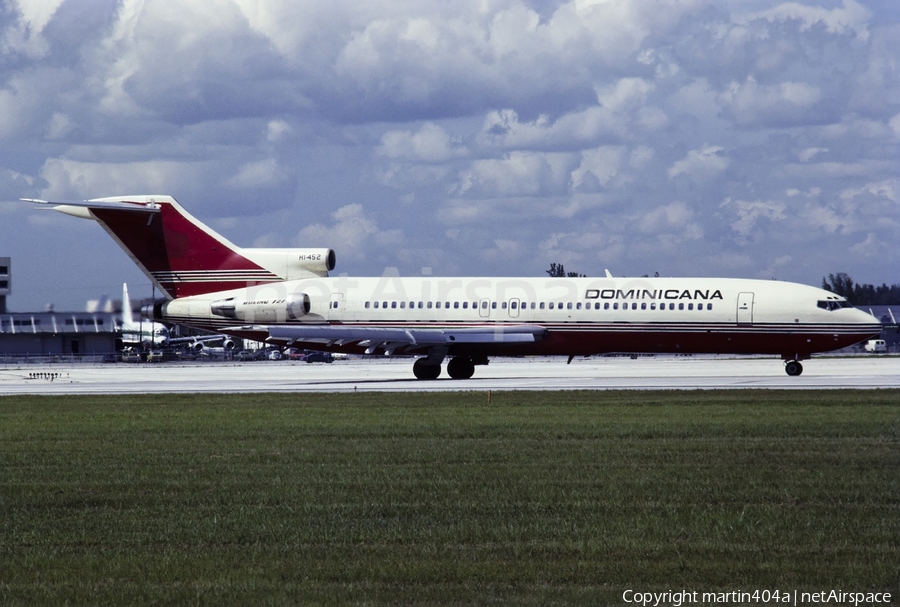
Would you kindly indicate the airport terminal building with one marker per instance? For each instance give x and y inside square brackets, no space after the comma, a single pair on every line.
[57,333]
[52,333]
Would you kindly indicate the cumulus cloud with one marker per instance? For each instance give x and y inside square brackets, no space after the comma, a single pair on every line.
[352,231]
[768,105]
[621,112]
[258,174]
[750,213]
[517,174]
[852,17]
[430,143]
[583,131]
[700,164]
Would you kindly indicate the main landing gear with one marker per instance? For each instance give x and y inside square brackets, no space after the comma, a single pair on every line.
[793,368]
[424,369]
[459,367]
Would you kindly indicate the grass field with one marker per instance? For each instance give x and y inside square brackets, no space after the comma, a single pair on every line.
[532,499]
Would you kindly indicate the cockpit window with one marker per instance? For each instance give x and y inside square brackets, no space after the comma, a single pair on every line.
[833,305]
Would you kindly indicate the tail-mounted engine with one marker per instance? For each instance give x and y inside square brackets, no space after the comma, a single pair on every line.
[295,307]
[293,264]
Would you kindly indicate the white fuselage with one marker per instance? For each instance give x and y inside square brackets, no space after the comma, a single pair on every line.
[581,315]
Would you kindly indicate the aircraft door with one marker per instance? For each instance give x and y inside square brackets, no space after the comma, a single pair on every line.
[484,308]
[745,309]
[336,307]
[513,308]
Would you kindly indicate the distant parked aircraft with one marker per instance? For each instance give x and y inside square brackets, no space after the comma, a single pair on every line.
[143,332]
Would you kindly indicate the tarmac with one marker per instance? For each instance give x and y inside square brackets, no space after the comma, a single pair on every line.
[395,375]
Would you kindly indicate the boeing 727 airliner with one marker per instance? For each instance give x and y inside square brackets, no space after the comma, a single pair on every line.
[285,297]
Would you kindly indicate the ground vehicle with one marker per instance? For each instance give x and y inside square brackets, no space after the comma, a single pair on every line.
[876,346]
[319,357]
[246,355]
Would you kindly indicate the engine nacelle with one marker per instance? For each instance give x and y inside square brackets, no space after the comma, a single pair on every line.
[154,311]
[295,307]
[224,307]
[298,305]
[293,264]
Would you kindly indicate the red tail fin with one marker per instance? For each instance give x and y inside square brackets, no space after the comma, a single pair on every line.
[182,256]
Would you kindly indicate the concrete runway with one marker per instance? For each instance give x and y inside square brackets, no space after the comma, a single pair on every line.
[600,373]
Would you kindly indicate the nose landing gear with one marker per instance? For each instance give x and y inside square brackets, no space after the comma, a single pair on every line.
[793,368]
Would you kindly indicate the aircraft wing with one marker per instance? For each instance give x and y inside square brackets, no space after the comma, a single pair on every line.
[417,339]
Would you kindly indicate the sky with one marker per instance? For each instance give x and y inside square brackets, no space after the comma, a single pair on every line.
[740,138]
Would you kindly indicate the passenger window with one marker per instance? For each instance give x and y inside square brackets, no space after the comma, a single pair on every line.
[402,305]
[550,305]
[681,306]
[447,304]
[542,306]
[606,305]
[393,304]
[709,306]
[671,306]
[513,305]
[578,306]
[384,304]
[503,305]
[429,305]
[643,306]
[634,306]
[437,305]
[690,306]
[456,305]
[420,305]
[493,305]
[484,304]
[376,304]
[652,306]
[532,305]
[367,305]
[465,305]
[616,306]
[569,306]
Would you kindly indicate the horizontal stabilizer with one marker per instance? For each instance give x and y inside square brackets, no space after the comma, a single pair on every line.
[141,204]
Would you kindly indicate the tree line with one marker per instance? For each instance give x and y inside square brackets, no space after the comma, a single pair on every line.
[862,294]
[839,284]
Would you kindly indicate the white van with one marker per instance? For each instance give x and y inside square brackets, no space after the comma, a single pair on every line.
[876,346]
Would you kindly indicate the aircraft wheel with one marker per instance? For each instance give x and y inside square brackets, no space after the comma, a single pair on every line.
[793,368]
[461,367]
[424,370]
